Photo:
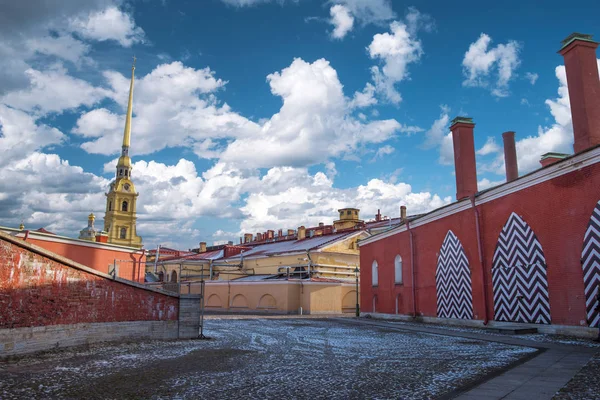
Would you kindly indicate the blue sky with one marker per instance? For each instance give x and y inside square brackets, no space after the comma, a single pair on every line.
[255,114]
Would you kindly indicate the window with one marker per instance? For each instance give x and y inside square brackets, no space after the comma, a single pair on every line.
[375,271]
[124,206]
[348,212]
[110,206]
[123,233]
[120,172]
[398,269]
[174,276]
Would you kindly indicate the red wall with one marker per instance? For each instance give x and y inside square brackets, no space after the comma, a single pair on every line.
[37,291]
[97,257]
[557,210]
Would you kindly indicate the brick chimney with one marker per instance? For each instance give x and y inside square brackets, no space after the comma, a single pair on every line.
[202,247]
[510,156]
[464,157]
[270,234]
[403,213]
[301,232]
[259,237]
[291,232]
[280,233]
[579,52]
[378,215]
[551,158]
[247,237]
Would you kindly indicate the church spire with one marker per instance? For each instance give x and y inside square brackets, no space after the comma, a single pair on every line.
[120,218]
[127,133]
[124,164]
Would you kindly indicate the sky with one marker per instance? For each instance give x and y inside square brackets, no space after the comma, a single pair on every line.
[269,114]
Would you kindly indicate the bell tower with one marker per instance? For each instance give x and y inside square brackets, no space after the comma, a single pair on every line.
[120,218]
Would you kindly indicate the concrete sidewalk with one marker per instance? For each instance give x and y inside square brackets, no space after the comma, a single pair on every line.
[536,379]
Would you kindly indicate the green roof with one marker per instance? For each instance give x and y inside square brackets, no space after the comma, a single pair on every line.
[554,155]
[463,120]
[576,36]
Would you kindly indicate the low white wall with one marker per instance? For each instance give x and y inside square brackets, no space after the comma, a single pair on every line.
[20,341]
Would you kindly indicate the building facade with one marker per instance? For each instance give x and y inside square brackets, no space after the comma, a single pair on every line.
[527,251]
[118,261]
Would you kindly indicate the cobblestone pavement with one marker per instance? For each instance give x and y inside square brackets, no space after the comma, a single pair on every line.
[585,385]
[264,359]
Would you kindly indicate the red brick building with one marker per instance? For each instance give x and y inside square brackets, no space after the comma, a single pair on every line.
[526,251]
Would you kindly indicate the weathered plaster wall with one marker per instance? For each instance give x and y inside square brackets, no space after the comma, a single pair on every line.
[44,298]
[281,297]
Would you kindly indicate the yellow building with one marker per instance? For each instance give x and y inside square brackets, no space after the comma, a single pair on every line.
[308,270]
[120,218]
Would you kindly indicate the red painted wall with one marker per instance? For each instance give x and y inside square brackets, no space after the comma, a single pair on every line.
[98,258]
[37,291]
[557,210]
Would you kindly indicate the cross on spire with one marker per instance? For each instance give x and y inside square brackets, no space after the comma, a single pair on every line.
[133,66]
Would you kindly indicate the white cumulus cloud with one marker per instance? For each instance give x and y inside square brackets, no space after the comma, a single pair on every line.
[342,20]
[396,50]
[108,24]
[491,67]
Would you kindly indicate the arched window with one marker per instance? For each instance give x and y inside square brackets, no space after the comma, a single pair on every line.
[174,276]
[124,206]
[110,206]
[375,271]
[120,172]
[398,269]
[123,233]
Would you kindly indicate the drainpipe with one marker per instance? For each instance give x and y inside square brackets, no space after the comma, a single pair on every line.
[140,265]
[228,293]
[412,269]
[481,262]
[179,280]
[209,269]
[156,256]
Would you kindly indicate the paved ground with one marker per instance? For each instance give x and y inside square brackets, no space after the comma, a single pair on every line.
[540,378]
[585,385]
[267,359]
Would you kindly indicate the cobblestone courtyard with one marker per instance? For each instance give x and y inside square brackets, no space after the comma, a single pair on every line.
[264,358]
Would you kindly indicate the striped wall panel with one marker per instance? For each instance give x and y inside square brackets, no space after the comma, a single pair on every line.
[453,281]
[519,279]
[590,262]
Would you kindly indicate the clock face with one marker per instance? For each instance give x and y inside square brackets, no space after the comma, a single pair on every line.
[126,187]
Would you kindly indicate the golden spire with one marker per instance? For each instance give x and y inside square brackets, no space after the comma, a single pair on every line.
[127,133]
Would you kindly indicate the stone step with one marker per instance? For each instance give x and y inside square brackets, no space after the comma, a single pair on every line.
[513,329]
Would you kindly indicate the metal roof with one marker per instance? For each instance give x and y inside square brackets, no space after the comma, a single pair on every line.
[292,246]
[208,255]
[253,278]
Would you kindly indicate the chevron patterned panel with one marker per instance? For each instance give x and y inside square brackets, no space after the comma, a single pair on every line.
[590,257]
[453,281]
[519,278]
